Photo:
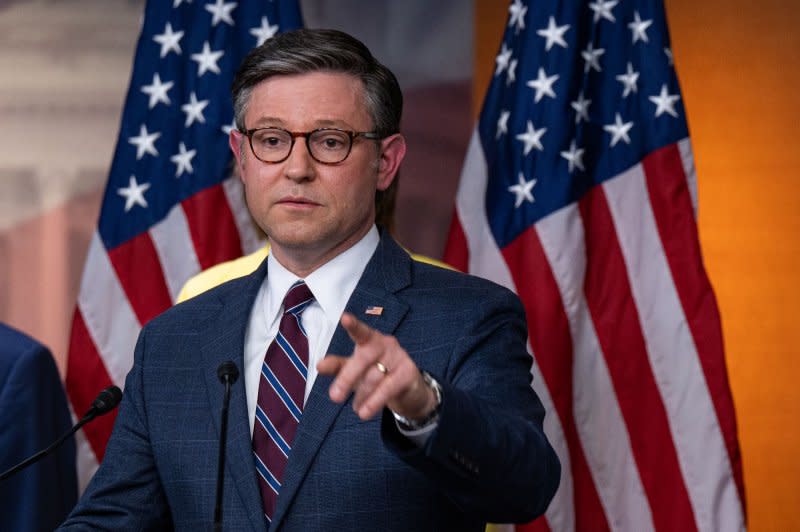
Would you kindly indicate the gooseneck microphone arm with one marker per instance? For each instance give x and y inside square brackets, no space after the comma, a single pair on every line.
[105,402]
[228,373]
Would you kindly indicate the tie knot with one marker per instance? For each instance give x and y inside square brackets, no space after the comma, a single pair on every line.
[297,298]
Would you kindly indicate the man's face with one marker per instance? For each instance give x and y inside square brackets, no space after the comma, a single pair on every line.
[313,211]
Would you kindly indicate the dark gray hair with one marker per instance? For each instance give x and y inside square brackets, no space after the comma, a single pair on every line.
[310,50]
[306,50]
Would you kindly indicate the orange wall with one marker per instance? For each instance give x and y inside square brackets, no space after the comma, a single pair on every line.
[739,66]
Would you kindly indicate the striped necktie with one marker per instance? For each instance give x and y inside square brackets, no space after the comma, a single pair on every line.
[280,396]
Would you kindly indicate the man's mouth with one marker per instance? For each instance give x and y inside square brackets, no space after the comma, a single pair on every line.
[297,201]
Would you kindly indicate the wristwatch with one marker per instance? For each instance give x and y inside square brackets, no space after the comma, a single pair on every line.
[417,424]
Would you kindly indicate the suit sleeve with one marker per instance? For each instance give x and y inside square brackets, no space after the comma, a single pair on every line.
[126,492]
[489,453]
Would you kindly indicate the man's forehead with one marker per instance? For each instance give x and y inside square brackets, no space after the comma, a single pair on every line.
[326,98]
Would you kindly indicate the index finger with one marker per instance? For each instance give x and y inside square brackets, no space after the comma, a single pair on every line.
[360,332]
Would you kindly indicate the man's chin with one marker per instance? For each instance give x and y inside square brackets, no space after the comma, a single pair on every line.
[298,237]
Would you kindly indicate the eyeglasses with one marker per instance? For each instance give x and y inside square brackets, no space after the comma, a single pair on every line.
[326,145]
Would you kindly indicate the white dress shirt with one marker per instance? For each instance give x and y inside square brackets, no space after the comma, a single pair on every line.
[332,285]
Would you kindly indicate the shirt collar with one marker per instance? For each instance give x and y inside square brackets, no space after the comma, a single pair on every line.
[332,283]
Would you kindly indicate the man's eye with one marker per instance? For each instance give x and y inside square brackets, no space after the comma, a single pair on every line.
[268,140]
[331,142]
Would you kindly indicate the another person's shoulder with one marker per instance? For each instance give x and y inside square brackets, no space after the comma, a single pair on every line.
[219,274]
[23,354]
[10,337]
[15,344]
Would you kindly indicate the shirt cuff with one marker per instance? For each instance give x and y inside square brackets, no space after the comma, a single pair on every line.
[418,437]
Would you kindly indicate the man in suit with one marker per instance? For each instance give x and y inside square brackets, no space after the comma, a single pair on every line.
[33,414]
[377,393]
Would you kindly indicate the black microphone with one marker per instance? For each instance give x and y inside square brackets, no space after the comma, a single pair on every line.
[106,401]
[228,373]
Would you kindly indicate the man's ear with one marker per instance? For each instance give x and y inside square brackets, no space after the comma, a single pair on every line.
[393,149]
[235,141]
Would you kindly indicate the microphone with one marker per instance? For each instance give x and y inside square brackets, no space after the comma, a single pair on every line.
[227,373]
[105,402]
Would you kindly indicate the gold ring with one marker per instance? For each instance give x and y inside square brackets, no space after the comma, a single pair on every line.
[383,369]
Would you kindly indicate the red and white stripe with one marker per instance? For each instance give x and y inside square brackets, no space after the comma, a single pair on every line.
[627,344]
[125,287]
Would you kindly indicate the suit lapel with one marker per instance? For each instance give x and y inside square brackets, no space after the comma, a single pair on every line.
[225,341]
[387,272]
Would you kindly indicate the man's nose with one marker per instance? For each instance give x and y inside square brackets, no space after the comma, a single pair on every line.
[300,165]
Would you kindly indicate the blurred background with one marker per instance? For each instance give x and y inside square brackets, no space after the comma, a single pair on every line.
[64,71]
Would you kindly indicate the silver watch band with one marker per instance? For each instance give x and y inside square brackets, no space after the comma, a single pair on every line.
[416,424]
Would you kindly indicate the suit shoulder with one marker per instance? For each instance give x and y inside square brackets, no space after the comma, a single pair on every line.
[430,260]
[433,278]
[15,344]
[190,312]
[22,355]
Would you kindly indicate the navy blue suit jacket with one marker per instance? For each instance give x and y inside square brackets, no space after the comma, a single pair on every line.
[33,414]
[487,460]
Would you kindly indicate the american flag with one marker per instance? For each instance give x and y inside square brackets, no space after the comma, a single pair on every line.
[171,207]
[578,192]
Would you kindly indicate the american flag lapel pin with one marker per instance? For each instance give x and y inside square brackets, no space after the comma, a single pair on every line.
[372,310]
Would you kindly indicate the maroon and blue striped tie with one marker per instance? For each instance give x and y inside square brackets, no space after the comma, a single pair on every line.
[280,396]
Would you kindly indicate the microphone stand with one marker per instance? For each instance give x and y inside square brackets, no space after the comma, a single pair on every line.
[106,401]
[228,373]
